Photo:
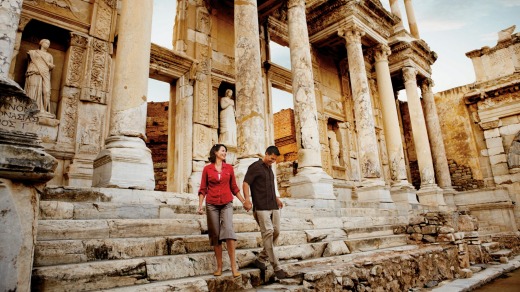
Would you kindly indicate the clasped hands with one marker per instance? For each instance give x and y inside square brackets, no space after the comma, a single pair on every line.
[247,205]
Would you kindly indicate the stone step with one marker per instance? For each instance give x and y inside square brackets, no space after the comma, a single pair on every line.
[55,209]
[116,228]
[503,253]
[126,272]
[491,247]
[54,252]
[488,230]
[373,243]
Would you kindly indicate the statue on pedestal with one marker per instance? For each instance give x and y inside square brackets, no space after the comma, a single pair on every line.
[334,147]
[38,77]
[228,124]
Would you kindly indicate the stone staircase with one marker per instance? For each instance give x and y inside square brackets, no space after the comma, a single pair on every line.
[133,240]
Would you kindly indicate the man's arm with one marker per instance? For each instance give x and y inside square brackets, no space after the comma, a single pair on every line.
[247,201]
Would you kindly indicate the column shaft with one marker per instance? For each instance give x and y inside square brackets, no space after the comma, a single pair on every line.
[126,162]
[419,131]
[303,86]
[440,161]
[394,144]
[311,181]
[368,149]
[250,106]
[410,14]
[9,18]
[394,7]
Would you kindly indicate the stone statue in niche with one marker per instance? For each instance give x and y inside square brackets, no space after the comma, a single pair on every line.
[228,124]
[334,147]
[38,77]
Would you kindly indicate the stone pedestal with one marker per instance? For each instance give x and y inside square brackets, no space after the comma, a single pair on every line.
[374,191]
[125,163]
[431,196]
[405,196]
[311,183]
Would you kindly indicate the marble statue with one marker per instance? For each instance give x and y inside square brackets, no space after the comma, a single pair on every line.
[334,147]
[228,124]
[38,76]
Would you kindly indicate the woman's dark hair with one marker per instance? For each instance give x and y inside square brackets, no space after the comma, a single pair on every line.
[213,152]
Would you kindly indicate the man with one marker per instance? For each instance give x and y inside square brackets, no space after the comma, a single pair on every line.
[259,184]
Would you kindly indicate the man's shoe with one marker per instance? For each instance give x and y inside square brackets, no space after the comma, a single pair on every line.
[280,274]
[262,266]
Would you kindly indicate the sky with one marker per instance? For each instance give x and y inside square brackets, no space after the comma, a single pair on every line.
[450,27]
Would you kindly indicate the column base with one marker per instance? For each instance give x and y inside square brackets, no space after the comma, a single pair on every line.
[125,163]
[404,195]
[431,195]
[449,196]
[311,183]
[374,191]
[79,172]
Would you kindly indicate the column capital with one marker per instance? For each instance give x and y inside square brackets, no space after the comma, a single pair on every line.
[409,74]
[427,84]
[381,52]
[292,3]
[352,33]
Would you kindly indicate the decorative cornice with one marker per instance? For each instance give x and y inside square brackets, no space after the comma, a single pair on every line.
[493,88]
[168,65]
[499,46]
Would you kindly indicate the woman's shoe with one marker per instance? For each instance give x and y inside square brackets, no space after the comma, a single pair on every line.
[237,274]
[217,273]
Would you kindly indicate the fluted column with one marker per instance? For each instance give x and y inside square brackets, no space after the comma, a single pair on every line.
[311,181]
[410,15]
[126,162]
[394,8]
[394,144]
[431,194]
[440,161]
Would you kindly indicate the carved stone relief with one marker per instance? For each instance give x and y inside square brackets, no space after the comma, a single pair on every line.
[76,56]
[99,78]
[74,9]
[90,128]
[104,19]
[203,139]
[68,114]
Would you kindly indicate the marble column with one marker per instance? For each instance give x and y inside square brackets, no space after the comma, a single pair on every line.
[126,162]
[442,171]
[429,194]
[311,181]
[250,104]
[402,191]
[372,180]
[394,8]
[9,17]
[410,14]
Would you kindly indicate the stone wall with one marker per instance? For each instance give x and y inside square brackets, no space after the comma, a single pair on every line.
[157,140]
[462,177]
[285,135]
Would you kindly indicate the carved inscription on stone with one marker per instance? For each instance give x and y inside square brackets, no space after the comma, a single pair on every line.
[16,115]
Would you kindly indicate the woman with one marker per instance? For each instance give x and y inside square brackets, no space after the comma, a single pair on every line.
[218,185]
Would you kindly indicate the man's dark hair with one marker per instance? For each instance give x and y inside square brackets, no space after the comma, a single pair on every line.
[213,152]
[272,150]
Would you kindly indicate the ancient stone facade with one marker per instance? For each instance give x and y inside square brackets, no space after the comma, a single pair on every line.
[481,123]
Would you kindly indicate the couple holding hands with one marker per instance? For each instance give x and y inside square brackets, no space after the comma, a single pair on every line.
[218,185]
